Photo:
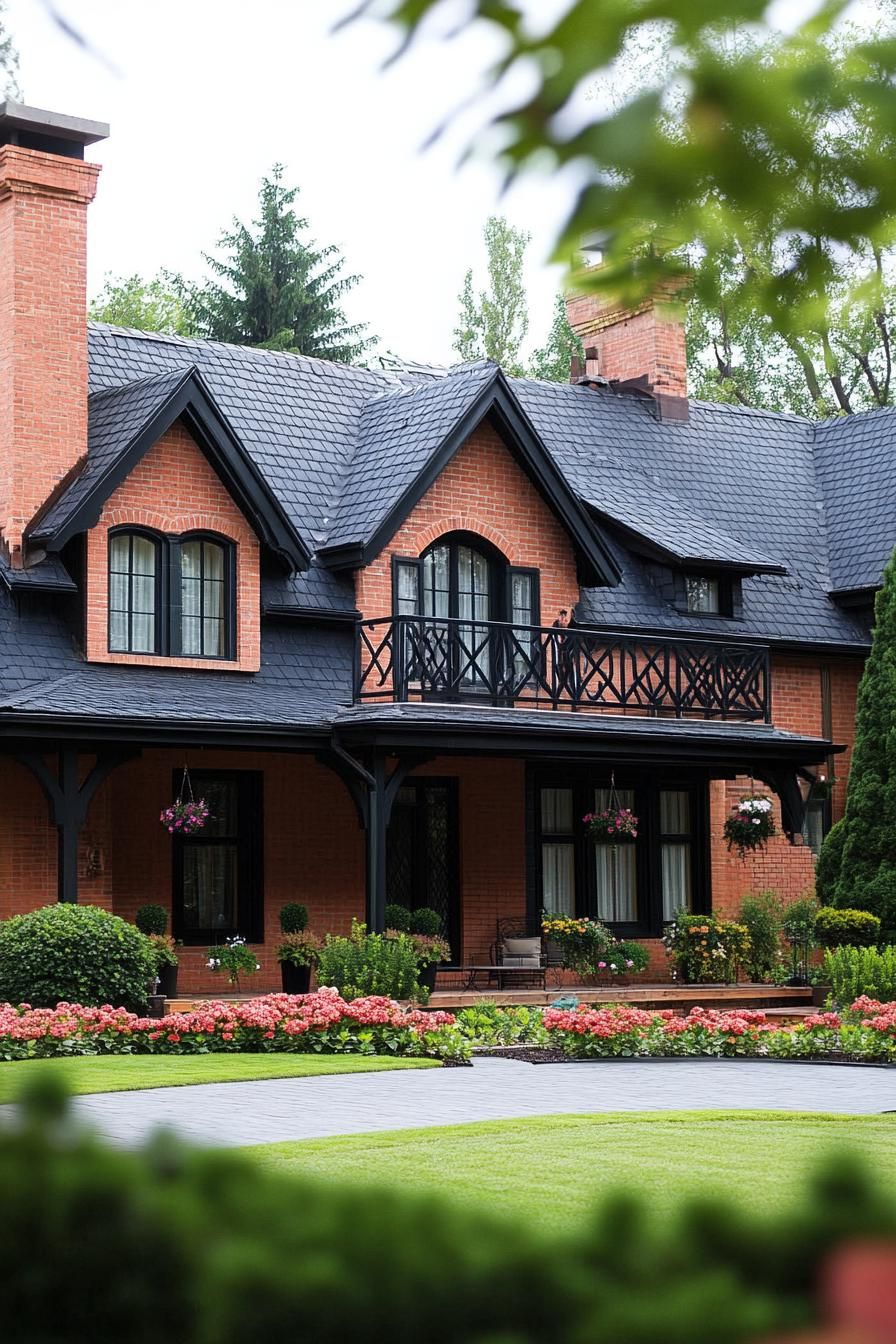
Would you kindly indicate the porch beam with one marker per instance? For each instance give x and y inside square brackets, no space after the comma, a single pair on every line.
[69,803]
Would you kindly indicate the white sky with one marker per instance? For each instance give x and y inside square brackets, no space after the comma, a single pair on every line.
[208,94]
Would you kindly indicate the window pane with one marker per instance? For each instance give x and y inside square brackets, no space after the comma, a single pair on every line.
[675,812]
[556,811]
[120,552]
[118,593]
[213,560]
[676,866]
[703,593]
[190,596]
[557,878]
[142,633]
[144,556]
[143,593]
[616,880]
[213,595]
[191,559]
[212,639]
[222,796]
[521,598]
[407,590]
[602,799]
[210,887]
[191,636]
[118,631]
[813,826]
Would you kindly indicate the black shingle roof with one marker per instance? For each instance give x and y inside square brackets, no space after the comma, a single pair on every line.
[855,458]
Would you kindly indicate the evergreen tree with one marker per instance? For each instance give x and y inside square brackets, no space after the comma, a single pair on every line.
[553,362]
[276,289]
[865,876]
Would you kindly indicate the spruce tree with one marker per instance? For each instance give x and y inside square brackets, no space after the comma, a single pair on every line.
[865,877]
[277,290]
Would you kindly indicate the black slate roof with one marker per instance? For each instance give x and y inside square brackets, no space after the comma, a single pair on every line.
[338,446]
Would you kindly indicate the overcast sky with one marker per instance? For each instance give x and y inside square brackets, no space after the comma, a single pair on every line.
[205,95]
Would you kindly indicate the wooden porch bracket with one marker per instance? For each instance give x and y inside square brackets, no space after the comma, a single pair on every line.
[793,805]
[68,802]
[373,792]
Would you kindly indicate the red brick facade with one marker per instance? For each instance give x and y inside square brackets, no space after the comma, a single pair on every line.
[43,332]
[175,490]
[481,490]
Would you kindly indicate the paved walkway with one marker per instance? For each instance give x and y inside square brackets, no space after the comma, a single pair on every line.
[494,1089]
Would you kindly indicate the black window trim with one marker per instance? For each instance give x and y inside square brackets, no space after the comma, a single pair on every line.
[647,785]
[250,859]
[161,552]
[167,641]
[726,593]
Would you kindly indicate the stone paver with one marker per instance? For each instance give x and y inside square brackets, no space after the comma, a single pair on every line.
[494,1089]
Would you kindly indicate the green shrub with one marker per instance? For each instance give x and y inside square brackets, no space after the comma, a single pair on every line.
[194,1246]
[427,921]
[846,928]
[293,917]
[75,954]
[368,963]
[853,971]
[398,917]
[152,919]
[628,950]
[798,921]
[761,913]
[878,897]
[486,1024]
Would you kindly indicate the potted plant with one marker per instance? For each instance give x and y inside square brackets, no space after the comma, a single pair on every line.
[585,943]
[611,825]
[705,949]
[235,958]
[297,954]
[293,917]
[426,930]
[152,920]
[750,825]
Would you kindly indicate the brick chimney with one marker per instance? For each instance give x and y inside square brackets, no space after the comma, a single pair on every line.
[642,347]
[45,189]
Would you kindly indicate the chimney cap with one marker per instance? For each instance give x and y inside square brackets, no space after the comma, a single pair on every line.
[37,125]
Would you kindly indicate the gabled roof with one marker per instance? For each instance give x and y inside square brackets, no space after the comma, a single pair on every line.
[124,423]
[664,529]
[407,437]
[856,462]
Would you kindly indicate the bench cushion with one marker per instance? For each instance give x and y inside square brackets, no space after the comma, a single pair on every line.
[521,952]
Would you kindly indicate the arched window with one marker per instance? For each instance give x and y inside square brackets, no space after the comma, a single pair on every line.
[134,592]
[205,597]
[458,586]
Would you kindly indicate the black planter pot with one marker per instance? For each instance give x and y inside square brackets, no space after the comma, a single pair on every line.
[168,981]
[296,979]
[426,976]
[820,995]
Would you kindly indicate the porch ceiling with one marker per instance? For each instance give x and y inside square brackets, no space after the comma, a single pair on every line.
[472,730]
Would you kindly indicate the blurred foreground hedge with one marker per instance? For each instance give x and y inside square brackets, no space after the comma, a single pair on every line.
[204,1248]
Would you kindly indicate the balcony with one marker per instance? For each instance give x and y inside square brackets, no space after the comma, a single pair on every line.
[426,658]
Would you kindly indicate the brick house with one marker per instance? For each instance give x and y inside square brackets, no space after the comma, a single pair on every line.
[331,593]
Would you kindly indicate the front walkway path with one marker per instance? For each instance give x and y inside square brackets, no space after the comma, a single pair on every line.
[494,1089]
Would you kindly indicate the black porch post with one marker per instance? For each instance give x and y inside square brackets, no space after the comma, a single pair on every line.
[377,822]
[69,803]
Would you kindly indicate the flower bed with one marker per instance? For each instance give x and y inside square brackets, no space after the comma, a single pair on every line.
[321,1022]
[865,1032]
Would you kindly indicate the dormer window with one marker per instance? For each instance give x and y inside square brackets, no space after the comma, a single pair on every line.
[174,596]
[707,595]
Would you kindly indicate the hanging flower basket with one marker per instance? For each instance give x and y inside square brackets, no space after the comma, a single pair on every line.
[186,815]
[750,825]
[611,825]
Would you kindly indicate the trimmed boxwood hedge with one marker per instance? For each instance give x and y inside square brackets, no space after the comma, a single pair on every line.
[75,954]
[846,928]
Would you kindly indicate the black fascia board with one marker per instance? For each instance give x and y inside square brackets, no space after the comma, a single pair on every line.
[498,403]
[734,754]
[192,401]
[654,550]
[22,727]
[855,597]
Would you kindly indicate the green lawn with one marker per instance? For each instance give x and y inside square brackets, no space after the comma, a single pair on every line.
[124,1073]
[548,1169]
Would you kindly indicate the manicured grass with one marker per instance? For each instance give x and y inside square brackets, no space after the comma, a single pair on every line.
[549,1169]
[124,1073]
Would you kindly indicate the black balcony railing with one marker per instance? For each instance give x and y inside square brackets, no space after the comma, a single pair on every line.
[434,658]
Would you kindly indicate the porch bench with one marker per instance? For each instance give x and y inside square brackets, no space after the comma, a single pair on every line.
[501,973]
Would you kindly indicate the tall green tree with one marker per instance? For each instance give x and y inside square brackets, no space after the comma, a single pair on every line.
[277,289]
[159,304]
[857,865]
[494,321]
